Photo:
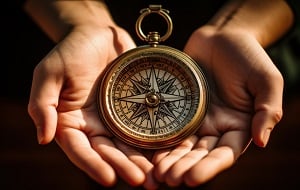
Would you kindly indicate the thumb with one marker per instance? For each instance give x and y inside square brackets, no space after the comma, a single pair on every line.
[43,101]
[268,110]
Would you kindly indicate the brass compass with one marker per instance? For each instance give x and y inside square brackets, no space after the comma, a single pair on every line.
[153,96]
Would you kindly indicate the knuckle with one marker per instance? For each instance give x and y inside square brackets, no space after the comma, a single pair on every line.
[277,115]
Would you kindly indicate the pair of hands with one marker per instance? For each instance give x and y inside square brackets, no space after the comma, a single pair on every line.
[246,104]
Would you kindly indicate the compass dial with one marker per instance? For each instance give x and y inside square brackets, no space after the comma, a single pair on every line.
[153,97]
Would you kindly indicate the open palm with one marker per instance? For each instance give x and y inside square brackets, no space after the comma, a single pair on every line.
[246,103]
[63,105]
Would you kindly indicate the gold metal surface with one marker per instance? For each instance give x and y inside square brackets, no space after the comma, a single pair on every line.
[153,96]
[154,37]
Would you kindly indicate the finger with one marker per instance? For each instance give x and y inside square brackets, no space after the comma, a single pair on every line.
[268,109]
[175,174]
[78,149]
[44,97]
[142,162]
[217,160]
[179,151]
[123,166]
[220,158]
[160,154]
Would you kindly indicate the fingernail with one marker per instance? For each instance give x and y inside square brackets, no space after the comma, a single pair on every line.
[40,136]
[266,137]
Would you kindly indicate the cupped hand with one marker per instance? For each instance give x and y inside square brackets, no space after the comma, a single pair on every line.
[246,104]
[63,106]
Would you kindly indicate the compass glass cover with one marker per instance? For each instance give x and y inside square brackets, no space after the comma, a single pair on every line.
[153,97]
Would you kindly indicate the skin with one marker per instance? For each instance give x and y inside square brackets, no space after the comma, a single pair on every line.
[246,91]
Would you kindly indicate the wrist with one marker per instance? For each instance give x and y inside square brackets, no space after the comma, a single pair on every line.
[265,20]
[57,18]
[83,12]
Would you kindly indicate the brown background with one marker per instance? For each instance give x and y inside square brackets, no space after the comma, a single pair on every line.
[26,165]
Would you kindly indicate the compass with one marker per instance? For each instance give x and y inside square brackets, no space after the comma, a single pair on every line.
[153,96]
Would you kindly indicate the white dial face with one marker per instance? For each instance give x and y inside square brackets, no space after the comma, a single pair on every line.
[154,96]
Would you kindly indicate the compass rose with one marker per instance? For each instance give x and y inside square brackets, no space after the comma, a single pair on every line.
[157,100]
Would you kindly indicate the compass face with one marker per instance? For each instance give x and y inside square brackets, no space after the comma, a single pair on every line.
[153,97]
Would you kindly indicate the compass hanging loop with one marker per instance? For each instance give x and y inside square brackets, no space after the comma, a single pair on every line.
[153,38]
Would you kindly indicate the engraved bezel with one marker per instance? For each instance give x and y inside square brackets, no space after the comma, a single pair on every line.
[182,116]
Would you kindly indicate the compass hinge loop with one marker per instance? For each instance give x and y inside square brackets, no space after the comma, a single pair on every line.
[153,38]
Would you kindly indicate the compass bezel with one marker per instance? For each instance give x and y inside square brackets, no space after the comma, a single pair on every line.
[120,129]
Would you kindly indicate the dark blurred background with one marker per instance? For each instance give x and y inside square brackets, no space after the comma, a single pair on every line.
[26,165]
